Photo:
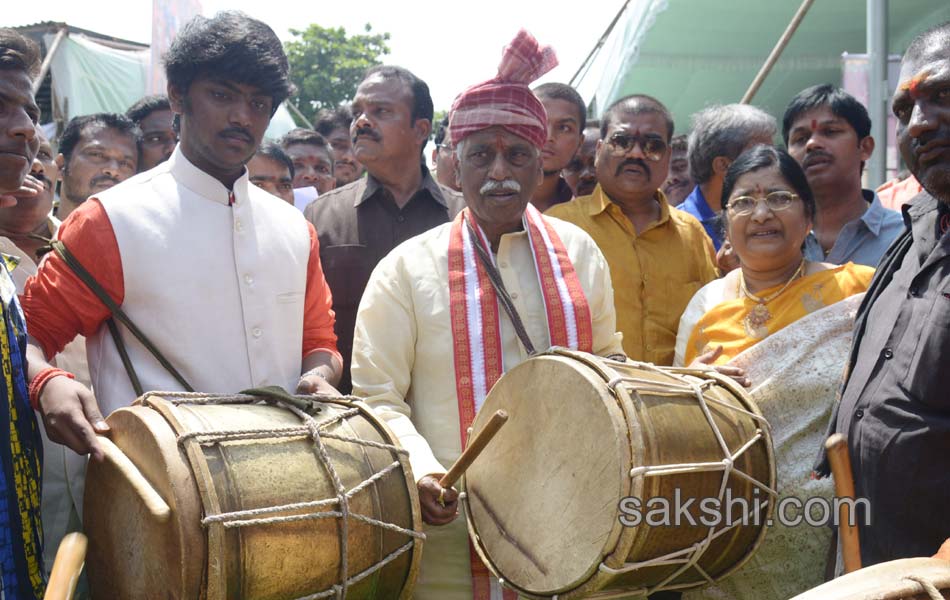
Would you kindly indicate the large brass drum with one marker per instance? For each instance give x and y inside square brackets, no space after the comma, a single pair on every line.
[544,501]
[257,495]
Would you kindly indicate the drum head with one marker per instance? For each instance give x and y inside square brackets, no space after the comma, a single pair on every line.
[542,497]
[895,580]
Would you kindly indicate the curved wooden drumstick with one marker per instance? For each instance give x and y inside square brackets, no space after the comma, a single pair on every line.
[66,568]
[475,448]
[153,502]
[837,447]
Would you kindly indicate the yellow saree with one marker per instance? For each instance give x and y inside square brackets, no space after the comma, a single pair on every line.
[740,323]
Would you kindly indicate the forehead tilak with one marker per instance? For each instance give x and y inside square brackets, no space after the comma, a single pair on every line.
[912,85]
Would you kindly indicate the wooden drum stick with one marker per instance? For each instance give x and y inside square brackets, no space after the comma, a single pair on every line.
[66,568]
[475,448]
[156,506]
[837,447]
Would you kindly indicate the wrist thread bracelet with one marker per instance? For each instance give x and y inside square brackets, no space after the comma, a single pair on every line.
[39,382]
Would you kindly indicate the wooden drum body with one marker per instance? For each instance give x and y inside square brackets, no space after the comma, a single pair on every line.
[904,579]
[257,495]
[543,501]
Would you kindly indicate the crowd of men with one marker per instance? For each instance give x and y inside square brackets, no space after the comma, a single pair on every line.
[364,279]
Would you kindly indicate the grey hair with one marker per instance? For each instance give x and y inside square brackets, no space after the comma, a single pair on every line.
[724,130]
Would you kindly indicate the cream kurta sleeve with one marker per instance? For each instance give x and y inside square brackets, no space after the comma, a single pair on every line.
[384,355]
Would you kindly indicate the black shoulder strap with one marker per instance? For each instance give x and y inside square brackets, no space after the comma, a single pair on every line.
[503,296]
[119,314]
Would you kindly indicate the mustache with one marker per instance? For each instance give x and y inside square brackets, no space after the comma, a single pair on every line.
[42,178]
[637,162]
[103,179]
[367,132]
[509,186]
[816,155]
[238,131]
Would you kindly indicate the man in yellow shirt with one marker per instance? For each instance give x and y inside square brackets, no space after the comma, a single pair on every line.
[658,256]
[432,336]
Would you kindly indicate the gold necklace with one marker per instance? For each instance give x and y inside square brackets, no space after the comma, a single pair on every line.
[756,321]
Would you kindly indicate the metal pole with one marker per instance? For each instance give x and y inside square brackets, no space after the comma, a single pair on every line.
[777,51]
[877,89]
[44,68]
[293,108]
[599,44]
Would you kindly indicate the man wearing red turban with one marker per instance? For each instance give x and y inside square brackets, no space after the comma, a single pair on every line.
[430,299]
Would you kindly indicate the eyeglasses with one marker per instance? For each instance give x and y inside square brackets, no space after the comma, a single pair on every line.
[745,205]
[620,144]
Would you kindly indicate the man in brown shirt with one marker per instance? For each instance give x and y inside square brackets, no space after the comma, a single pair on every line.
[359,223]
[894,407]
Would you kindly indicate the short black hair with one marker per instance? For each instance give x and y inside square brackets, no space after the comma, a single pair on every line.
[841,103]
[763,157]
[303,136]
[421,99]
[77,125]
[329,119]
[939,33]
[234,47]
[275,152]
[562,91]
[139,111]
[18,53]
[636,104]
[441,131]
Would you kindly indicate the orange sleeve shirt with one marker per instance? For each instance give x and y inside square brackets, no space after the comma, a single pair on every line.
[58,305]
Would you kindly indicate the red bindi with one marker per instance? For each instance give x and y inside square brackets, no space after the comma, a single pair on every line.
[814,124]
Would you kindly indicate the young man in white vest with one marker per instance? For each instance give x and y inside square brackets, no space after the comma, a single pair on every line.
[223,279]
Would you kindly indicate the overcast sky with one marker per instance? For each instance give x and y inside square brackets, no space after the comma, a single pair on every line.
[449,44]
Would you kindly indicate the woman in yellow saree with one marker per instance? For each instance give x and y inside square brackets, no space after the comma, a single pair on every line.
[786,324]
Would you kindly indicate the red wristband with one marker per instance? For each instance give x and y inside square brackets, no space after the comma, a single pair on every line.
[40,381]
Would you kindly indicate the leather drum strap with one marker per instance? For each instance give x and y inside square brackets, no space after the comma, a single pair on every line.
[118,314]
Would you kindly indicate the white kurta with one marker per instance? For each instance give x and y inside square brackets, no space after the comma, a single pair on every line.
[218,289]
[403,360]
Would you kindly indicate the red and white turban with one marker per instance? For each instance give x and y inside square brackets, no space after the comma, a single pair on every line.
[506,100]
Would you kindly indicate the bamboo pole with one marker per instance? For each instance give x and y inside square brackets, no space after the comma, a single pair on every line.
[777,51]
[48,60]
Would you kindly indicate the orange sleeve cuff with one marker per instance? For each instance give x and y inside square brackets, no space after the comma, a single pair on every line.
[57,304]
[318,315]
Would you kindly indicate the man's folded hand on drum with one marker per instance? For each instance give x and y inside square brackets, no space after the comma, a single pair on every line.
[69,409]
[706,360]
[321,374]
[439,505]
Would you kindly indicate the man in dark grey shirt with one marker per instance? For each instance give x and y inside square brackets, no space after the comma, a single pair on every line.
[359,223]
[895,407]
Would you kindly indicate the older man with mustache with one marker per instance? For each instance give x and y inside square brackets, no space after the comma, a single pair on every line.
[361,222]
[421,358]
[658,257]
[95,153]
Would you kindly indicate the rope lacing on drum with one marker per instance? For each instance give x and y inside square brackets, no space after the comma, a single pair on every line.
[928,586]
[689,557]
[316,431]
